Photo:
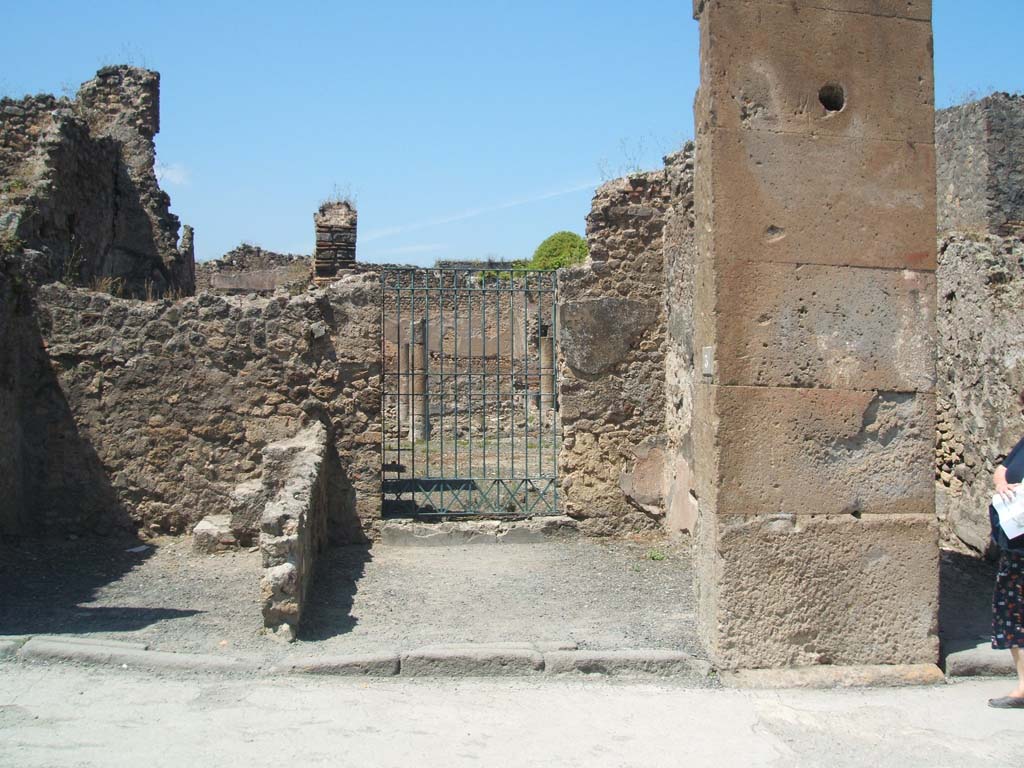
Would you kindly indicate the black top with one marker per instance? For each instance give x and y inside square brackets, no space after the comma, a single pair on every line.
[1014,463]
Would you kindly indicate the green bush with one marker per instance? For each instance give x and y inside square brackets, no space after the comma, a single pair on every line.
[562,249]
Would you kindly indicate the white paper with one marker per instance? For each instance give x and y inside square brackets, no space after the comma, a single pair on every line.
[1011,514]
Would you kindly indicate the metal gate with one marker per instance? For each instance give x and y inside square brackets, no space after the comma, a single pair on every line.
[469,404]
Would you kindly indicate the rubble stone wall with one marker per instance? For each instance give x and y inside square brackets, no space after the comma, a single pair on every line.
[78,183]
[980,165]
[178,399]
[52,478]
[302,477]
[612,329]
[980,376]
[251,269]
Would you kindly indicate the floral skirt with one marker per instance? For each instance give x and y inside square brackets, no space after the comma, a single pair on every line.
[1008,602]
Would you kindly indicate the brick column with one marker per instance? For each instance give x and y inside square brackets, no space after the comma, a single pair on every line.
[815,332]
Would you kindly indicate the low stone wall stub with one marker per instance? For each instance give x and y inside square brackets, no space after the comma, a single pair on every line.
[298,478]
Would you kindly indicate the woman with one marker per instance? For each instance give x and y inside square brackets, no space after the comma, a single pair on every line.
[1008,599]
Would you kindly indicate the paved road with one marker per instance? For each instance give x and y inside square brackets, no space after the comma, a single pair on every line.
[68,716]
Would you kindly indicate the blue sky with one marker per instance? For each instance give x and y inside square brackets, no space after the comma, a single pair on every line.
[464,129]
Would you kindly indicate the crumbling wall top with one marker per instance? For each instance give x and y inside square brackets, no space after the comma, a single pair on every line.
[336,213]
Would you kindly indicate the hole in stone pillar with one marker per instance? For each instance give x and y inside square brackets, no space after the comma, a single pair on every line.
[832,97]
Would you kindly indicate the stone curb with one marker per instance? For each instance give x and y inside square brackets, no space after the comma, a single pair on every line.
[38,649]
[367,665]
[471,662]
[982,660]
[475,660]
[659,663]
[867,676]
[9,646]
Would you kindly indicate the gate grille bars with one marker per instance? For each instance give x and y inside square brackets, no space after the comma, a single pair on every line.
[468,397]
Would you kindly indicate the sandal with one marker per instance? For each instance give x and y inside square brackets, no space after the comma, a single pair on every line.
[1007,702]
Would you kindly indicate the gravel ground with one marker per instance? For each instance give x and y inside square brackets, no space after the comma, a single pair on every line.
[599,594]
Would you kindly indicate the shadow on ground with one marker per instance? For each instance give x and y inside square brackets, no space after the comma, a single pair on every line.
[46,585]
[965,600]
[328,612]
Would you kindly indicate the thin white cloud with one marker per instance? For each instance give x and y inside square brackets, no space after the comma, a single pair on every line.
[175,174]
[408,249]
[378,234]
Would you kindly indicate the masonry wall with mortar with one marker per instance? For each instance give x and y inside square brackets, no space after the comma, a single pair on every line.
[251,269]
[612,326]
[177,399]
[980,165]
[980,149]
[77,183]
[815,308]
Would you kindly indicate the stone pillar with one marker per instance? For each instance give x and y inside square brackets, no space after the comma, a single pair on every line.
[335,225]
[404,384]
[419,358]
[814,337]
[547,376]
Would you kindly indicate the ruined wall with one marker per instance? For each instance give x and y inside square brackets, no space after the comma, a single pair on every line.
[612,336]
[301,478]
[77,183]
[178,399]
[335,224]
[980,165]
[251,269]
[980,149]
[679,249]
[814,331]
[980,375]
[52,479]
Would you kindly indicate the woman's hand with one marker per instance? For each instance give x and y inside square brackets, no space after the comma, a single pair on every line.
[1003,488]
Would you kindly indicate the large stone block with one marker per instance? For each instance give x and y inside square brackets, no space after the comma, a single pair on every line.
[813,71]
[789,198]
[786,325]
[823,451]
[823,591]
[905,9]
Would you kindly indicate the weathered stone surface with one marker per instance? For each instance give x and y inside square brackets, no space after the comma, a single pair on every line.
[365,665]
[299,476]
[643,483]
[657,662]
[471,662]
[823,451]
[908,9]
[980,374]
[770,78]
[980,165]
[980,661]
[251,269]
[823,590]
[79,185]
[52,479]
[613,339]
[213,534]
[176,400]
[797,485]
[786,325]
[791,198]
[597,334]
[860,676]
[40,649]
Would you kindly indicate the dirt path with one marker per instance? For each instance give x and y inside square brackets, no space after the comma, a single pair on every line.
[598,594]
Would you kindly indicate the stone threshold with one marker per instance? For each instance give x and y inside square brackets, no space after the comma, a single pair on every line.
[419,533]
